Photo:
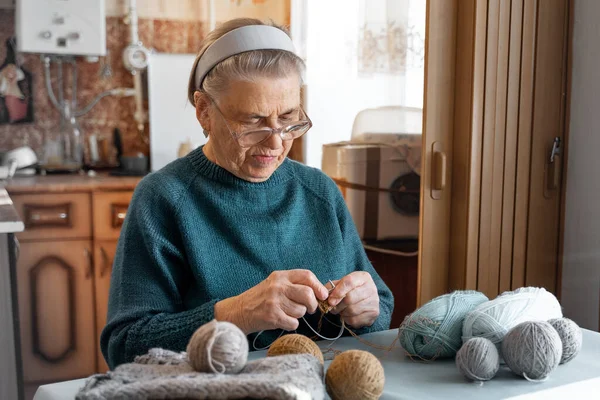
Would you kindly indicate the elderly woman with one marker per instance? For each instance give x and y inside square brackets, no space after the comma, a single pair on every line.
[235,231]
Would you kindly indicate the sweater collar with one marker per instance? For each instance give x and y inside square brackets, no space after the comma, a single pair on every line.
[214,172]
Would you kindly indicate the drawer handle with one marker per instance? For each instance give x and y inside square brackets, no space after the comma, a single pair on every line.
[90,266]
[40,215]
[105,262]
[119,212]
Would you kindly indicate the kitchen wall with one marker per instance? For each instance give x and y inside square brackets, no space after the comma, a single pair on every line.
[172,26]
[581,262]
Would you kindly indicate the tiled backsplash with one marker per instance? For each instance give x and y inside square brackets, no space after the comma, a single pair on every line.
[171,26]
[173,36]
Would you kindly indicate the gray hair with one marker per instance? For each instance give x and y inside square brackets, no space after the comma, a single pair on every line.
[245,66]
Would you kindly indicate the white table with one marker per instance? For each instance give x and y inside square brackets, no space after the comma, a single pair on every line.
[407,379]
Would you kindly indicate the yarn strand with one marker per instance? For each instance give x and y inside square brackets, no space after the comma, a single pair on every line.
[323,337]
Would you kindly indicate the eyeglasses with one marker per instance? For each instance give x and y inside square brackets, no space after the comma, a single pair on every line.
[252,137]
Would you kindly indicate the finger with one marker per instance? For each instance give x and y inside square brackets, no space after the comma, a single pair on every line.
[347,284]
[304,295]
[292,309]
[357,295]
[276,316]
[364,319]
[329,285]
[306,277]
[287,323]
[338,309]
[364,306]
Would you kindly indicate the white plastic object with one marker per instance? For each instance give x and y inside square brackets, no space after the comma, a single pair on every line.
[64,27]
[389,121]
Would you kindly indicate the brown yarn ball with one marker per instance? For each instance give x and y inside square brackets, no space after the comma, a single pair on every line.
[295,344]
[218,347]
[355,375]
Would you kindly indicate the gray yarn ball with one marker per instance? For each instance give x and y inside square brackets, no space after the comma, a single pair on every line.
[532,350]
[478,359]
[218,347]
[570,335]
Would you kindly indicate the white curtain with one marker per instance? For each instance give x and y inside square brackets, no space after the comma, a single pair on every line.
[360,54]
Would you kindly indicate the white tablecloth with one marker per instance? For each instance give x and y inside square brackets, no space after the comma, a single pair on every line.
[407,379]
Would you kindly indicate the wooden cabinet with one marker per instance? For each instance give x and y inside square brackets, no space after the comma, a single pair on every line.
[55,289]
[110,209]
[54,216]
[63,279]
[104,254]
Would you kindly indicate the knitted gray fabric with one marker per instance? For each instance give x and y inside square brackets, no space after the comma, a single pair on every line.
[163,374]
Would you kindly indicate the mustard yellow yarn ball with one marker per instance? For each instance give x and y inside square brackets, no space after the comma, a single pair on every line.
[295,344]
[355,375]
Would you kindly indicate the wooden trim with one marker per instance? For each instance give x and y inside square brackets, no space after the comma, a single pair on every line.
[486,224]
[565,150]
[524,142]
[11,378]
[548,120]
[511,149]
[468,142]
[499,145]
[437,127]
[465,38]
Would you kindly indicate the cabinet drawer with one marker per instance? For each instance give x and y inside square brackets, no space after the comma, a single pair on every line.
[110,209]
[54,216]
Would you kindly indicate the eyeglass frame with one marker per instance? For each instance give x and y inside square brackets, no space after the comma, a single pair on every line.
[272,131]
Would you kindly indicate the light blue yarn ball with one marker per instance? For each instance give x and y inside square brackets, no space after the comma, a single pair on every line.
[435,329]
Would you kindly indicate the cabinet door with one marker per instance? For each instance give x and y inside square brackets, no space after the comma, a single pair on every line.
[104,253]
[56,310]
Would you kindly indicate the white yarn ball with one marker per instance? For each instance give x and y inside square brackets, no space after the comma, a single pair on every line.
[493,319]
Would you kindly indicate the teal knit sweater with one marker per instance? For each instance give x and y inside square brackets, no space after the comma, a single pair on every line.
[196,234]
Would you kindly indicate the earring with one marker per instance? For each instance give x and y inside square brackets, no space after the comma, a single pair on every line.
[205,133]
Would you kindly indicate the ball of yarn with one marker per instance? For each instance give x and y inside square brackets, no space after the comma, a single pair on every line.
[218,347]
[571,336]
[435,329]
[355,375]
[532,350]
[295,344]
[493,319]
[478,359]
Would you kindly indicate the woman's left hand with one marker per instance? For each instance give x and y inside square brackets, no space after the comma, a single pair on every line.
[355,299]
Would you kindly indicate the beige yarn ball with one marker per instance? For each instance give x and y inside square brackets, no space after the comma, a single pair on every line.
[219,347]
[355,375]
[295,344]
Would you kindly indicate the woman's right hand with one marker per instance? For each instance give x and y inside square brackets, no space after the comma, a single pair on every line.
[275,303]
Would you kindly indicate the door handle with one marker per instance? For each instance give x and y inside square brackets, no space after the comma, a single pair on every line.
[438,170]
[105,262]
[553,169]
[90,266]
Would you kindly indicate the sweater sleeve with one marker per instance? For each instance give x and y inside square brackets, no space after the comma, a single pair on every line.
[357,260]
[148,280]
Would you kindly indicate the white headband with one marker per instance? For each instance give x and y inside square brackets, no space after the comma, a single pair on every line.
[241,40]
